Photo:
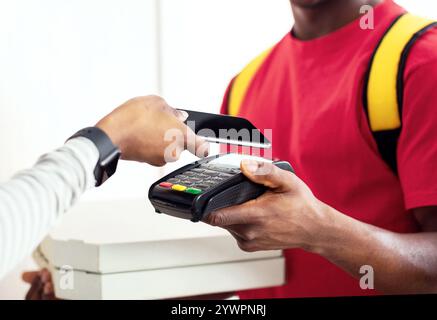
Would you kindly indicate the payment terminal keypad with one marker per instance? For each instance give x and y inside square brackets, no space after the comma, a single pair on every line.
[200,179]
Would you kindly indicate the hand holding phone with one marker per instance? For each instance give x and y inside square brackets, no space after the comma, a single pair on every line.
[226,129]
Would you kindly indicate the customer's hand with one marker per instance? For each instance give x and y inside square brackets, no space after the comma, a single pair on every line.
[286,216]
[147,129]
[41,285]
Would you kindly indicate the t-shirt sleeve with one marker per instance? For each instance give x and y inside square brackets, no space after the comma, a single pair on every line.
[224,110]
[225,103]
[417,149]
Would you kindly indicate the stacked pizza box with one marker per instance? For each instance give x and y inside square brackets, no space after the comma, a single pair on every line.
[124,250]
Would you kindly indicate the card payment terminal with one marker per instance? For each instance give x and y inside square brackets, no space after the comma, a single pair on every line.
[195,190]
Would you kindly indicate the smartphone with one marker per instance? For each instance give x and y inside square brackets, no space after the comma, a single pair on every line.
[226,129]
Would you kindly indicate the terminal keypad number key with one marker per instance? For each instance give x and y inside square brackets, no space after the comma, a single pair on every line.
[200,179]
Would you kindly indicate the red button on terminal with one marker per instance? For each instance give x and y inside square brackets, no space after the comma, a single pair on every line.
[166,184]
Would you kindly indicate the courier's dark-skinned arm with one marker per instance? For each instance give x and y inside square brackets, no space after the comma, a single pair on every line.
[402,263]
[290,216]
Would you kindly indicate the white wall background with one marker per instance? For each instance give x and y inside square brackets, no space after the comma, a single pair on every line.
[65,63]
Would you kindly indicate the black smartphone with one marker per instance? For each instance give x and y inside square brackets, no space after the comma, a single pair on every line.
[226,129]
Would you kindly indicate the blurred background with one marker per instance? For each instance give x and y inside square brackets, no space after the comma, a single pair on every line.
[66,63]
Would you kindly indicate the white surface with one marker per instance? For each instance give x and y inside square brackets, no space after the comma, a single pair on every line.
[174,282]
[205,43]
[139,254]
[424,8]
[234,159]
[64,64]
[128,235]
[126,221]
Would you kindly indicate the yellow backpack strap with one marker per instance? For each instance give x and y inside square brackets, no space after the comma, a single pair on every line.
[241,83]
[384,85]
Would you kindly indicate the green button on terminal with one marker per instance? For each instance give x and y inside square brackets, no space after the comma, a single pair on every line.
[193,191]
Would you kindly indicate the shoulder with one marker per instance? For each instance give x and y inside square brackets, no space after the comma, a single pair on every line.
[423,52]
[420,78]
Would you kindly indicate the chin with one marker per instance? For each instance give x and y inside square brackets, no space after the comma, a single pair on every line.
[308,3]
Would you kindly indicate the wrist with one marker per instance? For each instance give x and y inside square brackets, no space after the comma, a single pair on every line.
[108,126]
[329,231]
[109,153]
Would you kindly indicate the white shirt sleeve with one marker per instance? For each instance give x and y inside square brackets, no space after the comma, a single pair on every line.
[34,199]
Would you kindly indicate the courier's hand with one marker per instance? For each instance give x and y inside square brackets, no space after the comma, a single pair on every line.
[41,285]
[286,216]
[147,129]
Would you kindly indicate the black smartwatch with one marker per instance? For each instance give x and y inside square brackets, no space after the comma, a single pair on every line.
[109,154]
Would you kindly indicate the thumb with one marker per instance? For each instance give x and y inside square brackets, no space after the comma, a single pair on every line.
[182,115]
[197,145]
[267,174]
[29,276]
[194,143]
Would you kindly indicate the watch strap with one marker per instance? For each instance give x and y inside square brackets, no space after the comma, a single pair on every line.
[109,153]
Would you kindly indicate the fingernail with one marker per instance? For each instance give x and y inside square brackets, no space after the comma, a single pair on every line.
[206,146]
[48,288]
[45,275]
[183,115]
[250,165]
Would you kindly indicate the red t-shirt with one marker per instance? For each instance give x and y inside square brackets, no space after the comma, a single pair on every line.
[310,94]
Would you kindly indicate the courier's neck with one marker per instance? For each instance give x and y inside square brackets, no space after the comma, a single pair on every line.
[314,21]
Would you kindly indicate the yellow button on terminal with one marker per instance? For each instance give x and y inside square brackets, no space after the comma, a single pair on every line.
[179,187]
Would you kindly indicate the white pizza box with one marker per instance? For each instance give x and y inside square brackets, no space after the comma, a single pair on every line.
[123,249]
[168,283]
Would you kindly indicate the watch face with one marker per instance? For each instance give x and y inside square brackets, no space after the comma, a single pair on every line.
[109,165]
[105,176]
